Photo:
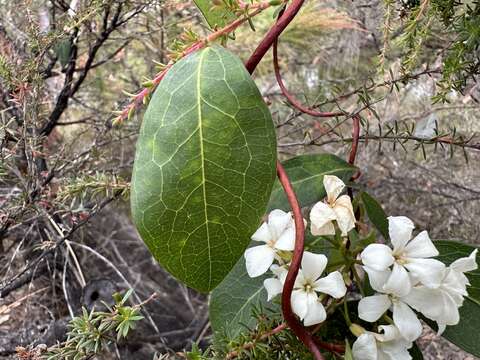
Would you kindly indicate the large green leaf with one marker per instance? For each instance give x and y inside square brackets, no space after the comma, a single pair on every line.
[204,167]
[233,301]
[465,334]
[306,174]
[375,213]
[216,15]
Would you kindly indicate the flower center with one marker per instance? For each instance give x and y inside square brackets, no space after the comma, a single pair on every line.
[308,287]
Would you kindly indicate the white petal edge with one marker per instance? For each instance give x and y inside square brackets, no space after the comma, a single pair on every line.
[333,187]
[262,234]
[313,265]
[430,272]
[371,308]
[400,231]
[273,287]
[320,215]
[258,260]
[421,247]
[365,348]
[377,256]
[332,284]
[406,321]
[398,282]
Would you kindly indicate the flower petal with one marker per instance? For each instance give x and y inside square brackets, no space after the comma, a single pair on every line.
[421,247]
[278,221]
[400,230]
[427,301]
[388,333]
[332,284]
[327,229]
[313,265]
[466,263]
[371,308]
[286,241]
[258,259]
[377,278]
[365,348]
[345,216]
[430,272]
[333,186]
[320,215]
[406,321]
[262,233]
[299,301]
[273,287]
[398,282]
[316,312]
[377,256]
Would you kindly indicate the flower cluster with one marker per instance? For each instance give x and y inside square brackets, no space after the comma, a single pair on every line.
[278,234]
[405,277]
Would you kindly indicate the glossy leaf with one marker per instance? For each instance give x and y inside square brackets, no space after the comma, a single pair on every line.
[215,15]
[306,174]
[465,334]
[375,213]
[204,167]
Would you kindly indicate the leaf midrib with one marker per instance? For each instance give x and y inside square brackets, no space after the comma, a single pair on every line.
[202,157]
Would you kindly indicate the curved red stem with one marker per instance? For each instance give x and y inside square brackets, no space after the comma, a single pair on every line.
[288,314]
[291,99]
[273,34]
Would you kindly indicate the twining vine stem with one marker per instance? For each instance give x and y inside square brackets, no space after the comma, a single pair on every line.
[291,99]
[288,314]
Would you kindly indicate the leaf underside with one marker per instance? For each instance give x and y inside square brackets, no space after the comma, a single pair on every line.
[204,167]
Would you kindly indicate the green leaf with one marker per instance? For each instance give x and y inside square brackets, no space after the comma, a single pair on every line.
[415,352]
[233,301]
[465,334]
[306,174]
[216,15]
[204,167]
[375,213]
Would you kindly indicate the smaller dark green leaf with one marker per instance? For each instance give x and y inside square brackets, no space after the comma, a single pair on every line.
[415,352]
[375,213]
[233,301]
[306,174]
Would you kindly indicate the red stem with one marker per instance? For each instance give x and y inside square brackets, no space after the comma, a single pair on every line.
[291,99]
[273,34]
[288,314]
[355,138]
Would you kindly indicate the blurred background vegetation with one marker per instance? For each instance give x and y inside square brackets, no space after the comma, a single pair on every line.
[409,68]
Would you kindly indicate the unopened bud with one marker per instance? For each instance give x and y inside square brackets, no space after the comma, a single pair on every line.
[357,330]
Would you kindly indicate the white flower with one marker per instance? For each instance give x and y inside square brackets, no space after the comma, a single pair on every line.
[274,286]
[388,345]
[412,255]
[305,301]
[371,308]
[338,208]
[278,233]
[441,304]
